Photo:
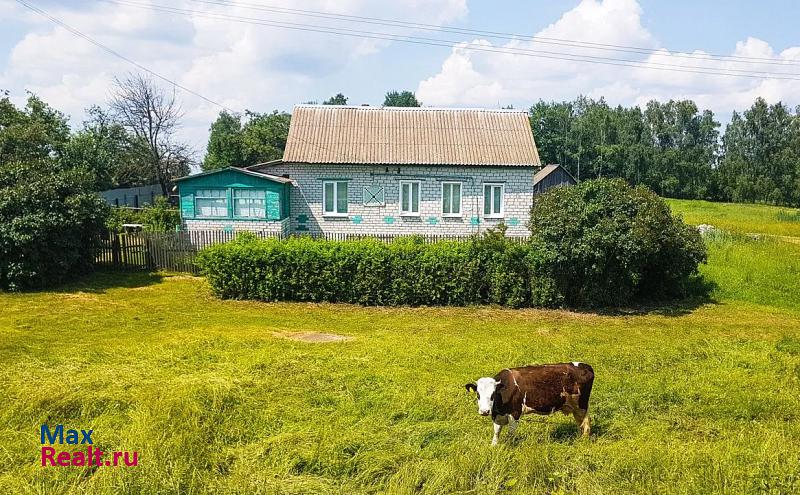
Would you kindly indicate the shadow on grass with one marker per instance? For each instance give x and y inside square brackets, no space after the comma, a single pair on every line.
[100,281]
[569,432]
[561,432]
[698,293]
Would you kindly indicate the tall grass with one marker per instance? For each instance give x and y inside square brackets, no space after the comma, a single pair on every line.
[217,399]
[758,270]
[742,218]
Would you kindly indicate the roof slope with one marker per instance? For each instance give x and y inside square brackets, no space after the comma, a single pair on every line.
[547,170]
[410,136]
[246,171]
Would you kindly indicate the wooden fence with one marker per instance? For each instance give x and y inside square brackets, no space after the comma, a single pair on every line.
[175,251]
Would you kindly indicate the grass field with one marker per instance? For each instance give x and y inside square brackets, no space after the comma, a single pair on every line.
[217,398]
[741,218]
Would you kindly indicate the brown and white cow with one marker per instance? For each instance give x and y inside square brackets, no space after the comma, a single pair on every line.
[539,389]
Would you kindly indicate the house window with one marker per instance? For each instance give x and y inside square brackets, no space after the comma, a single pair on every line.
[248,203]
[211,203]
[493,200]
[374,196]
[334,197]
[451,199]
[409,197]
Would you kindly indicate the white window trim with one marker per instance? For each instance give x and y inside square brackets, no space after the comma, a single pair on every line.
[502,212]
[335,199]
[460,200]
[400,199]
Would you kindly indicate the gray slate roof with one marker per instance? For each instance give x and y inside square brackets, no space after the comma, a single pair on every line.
[410,136]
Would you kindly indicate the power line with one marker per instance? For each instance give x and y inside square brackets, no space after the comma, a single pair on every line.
[449,43]
[117,54]
[494,34]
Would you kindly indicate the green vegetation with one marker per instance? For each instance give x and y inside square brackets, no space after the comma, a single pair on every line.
[600,243]
[159,217]
[604,243]
[741,218]
[219,397]
[50,218]
[674,147]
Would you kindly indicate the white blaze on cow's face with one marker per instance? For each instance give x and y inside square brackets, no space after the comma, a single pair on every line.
[485,389]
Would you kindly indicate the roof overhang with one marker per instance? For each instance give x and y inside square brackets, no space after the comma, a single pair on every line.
[245,171]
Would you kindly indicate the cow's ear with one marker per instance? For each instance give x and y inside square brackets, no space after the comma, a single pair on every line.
[471,386]
[499,386]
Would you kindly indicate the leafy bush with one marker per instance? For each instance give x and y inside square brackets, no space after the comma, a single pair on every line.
[603,243]
[407,271]
[49,224]
[159,217]
[120,215]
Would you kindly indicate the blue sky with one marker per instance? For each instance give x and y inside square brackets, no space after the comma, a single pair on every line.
[263,68]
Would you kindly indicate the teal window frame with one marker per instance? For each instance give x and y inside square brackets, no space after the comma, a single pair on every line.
[263,199]
[197,196]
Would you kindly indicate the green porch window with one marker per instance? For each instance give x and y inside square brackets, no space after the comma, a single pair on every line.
[211,203]
[248,203]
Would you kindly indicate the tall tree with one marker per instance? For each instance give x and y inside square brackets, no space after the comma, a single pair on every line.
[231,143]
[106,150]
[33,133]
[339,99]
[761,157]
[153,116]
[401,99]
[225,147]
[50,216]
[264,136]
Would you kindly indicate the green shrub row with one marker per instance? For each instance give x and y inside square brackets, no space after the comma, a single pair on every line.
[600,243]
[406,271]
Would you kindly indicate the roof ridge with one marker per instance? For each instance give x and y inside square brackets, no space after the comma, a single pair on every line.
[410,109]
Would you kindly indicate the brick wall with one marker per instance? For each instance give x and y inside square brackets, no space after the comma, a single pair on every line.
[306,198]
[274,226]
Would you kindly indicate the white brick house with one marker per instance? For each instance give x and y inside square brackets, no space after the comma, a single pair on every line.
[408,170]
[371,170]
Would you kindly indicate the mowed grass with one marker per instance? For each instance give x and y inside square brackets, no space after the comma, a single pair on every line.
[741,218]
[692,399]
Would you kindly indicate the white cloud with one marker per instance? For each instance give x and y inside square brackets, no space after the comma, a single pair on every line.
[240,65]
[479,78]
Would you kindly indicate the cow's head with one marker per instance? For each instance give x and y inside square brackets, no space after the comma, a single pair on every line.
[486,388]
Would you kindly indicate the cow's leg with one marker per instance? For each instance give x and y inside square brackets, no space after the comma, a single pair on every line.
[582,419]
[512,425]
[496,437]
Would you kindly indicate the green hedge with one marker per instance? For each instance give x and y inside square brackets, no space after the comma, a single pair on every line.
[601,243]
[406,271]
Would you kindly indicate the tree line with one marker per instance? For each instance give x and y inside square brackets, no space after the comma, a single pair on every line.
[674,148]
